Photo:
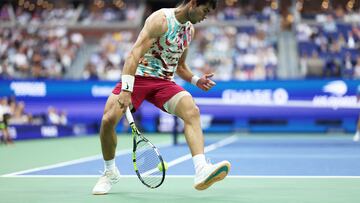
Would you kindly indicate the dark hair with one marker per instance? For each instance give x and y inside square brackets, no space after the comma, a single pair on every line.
[212,3]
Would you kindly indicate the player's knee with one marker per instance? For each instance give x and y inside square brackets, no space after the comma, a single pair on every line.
[192,113]
[108,120]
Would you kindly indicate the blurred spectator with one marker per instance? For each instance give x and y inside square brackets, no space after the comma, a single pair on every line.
[348,67]
[329,25]
[19,116]
[4,12]
[90,72]
[4,121]
[315,65]
[357,68]
[56,118]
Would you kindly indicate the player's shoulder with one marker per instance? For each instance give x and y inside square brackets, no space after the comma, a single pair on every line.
[157,20]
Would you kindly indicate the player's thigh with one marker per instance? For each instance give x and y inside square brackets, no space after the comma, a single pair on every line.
[186,108]
[112,112]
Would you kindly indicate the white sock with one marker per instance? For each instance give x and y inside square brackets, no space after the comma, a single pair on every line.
[199,162]
[109,165]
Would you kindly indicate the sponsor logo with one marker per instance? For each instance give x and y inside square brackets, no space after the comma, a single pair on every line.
[101,91]
[337,98]
[49,131]
[337,88]
[278,96]
[33,89]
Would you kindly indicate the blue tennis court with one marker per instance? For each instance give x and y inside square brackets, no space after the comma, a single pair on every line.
[250,156]
[265,168]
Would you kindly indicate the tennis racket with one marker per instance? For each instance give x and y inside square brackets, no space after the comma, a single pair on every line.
[148,163]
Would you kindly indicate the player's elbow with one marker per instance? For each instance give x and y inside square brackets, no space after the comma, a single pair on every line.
[131,57]
[180,69]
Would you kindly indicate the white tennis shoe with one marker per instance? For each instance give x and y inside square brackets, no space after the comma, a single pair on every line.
[106,181]
[210,174]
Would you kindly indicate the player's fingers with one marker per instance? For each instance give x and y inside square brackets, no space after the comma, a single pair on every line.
[203,88]
[207,76]
[207,86]
[212,83]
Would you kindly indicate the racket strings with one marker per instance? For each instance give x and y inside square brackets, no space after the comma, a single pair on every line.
[147,161]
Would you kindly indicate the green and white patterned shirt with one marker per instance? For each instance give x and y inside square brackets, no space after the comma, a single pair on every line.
[161,60]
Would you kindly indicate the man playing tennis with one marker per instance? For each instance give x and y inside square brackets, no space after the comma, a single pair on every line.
[159,51]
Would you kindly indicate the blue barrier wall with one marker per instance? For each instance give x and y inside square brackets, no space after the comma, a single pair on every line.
[291,105]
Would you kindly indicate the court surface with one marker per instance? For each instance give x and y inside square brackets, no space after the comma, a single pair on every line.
[265,168]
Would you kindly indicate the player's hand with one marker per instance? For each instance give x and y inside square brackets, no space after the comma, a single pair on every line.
[205,83]
[124,100]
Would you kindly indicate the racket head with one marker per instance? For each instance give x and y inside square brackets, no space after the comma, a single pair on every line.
[146,160]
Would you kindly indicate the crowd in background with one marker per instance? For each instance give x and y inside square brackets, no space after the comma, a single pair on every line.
[67,13]
[59,15]
[110,13]
[330,49]
[18,115]
[107,62]
[37,52]
[242,52]
[239,53]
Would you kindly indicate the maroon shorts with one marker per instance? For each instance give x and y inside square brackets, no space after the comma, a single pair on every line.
[155,90]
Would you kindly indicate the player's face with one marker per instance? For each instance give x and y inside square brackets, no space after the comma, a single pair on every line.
[198,13]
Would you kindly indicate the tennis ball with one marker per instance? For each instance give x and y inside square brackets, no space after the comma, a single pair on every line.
[161,168]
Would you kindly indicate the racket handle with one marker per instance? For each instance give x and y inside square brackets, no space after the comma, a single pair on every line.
[129,116]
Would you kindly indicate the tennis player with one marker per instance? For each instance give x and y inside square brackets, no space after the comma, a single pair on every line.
[158,53]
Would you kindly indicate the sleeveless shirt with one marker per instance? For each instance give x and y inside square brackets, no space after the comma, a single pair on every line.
[161,60]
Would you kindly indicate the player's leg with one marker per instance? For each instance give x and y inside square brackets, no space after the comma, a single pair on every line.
[112,115]
[205,173]
[5,130]
[108,138]
[2,134]
[7,137]
[356,137]
[187,110]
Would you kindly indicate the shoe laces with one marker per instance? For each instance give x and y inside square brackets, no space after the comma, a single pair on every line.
[106,173]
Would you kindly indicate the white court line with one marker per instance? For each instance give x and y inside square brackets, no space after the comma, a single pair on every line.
[122,152]
[72,162]
[190,176]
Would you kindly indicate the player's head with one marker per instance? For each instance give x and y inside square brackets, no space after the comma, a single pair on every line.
[198,9]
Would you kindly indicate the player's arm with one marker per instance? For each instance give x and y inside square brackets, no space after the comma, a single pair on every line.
[154,27]
[183,70]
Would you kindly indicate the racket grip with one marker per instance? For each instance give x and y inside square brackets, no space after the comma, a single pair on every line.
[129,116]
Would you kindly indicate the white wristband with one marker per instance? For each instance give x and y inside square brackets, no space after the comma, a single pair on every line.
[127,82]
[194,79]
